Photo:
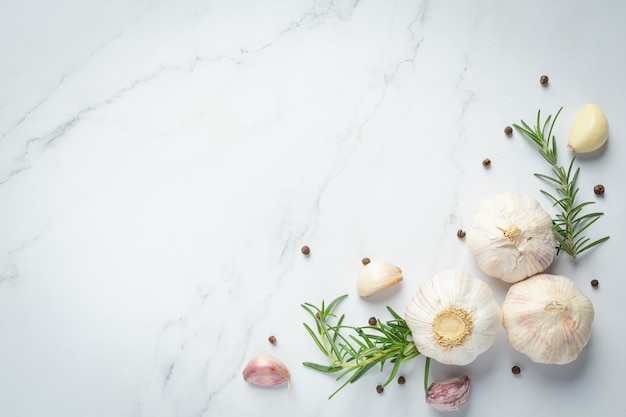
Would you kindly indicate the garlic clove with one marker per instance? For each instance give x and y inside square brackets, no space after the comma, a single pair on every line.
[548,318]
[511,237]
[449,395]
[453,317]
[267,371]
[376,276]
[590,130]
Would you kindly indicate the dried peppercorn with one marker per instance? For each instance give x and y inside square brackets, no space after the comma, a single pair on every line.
[544,80]
[598,189]
[272,339]
[516,370]
[401,380]
[508,130]
[379,389]
[365,261]
[460,233]
[594,283]
[372,321]
[486,162]
[305,250]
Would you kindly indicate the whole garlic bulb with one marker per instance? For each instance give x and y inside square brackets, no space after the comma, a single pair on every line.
[511,237]
[590,130]
[548,318]
[376,276]
[453,317]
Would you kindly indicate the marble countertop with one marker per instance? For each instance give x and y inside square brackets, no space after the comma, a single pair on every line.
[163,162]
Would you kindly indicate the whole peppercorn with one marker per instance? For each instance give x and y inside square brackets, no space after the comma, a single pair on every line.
[372,321]
[401,380]
[460,233]
[379,389]
[305,250]
[508,130]
[594,283]
[365,261]
[516,370]
[272,339]
[544,80]
[598,189]
[486,162]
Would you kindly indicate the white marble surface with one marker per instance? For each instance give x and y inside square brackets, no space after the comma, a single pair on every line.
[163,161]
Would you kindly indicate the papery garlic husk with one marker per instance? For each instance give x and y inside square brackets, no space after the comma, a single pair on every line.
[267,371]
[453,317]
[376,276]
[511,237]
[449,395]
[590,130]
[548,318]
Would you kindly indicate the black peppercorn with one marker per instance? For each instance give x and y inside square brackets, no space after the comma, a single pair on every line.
[460,233]
[365,261]
[272,339]
[594,283]
[379,389]
[401,380]
[516,370]
[508,130]
[598,189]
[372,321]
[486,162]
[544,80]
[306,250]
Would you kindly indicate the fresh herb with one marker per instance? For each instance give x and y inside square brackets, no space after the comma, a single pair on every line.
[352,351]
[570,223]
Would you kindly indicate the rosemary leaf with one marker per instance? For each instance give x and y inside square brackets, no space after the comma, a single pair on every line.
[353,351]
[569,224]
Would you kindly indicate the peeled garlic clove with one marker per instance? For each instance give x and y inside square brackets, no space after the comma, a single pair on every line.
[376,276]
[266,371]
[590,130]
[511,237]
[548,318]
[449,395]
[453,318]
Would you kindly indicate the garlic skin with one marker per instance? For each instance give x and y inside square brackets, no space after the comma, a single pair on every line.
[376,276]
[548,318]
[267,371]
[511,237]
[590,130]
[453,317]
[449,395]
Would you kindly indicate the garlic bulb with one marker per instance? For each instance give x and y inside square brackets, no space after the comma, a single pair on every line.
[449,395]
[453,317]
[590,130]
[548,318]
[266,371]
[511,237]
[376,276]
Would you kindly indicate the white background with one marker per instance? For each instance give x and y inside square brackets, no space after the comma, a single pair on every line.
[162,163]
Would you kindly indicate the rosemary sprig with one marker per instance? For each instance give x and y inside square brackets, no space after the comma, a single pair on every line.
[570,223]
[352,351]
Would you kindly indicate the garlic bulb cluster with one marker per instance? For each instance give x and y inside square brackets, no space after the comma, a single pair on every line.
[511,237]
[266,371]
[453,317]
[548,318]
[590,130]
[449,395]
[376,276]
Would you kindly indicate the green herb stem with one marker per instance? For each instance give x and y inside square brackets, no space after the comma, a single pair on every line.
[570,223]
[352,351]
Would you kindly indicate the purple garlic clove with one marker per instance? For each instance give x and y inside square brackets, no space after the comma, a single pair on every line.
[266,371]
[449,395]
